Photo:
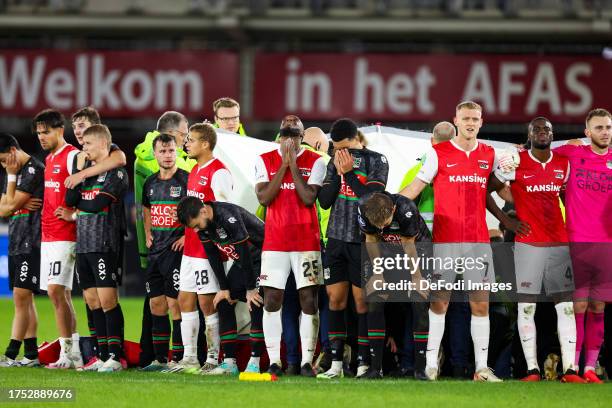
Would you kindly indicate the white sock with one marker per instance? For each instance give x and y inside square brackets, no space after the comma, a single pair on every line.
[254,360]
[527,333]
[566,327]
[273,331]
[76,347]
[336,366]
[480,329]
[309,328]
[190,324]
[213,341]
[230,361]
[436,331]
[65,345]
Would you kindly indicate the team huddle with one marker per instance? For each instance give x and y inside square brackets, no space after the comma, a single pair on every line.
[320,217]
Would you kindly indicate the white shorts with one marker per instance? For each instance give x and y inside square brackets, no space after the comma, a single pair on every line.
[472,261]
[197,276]
[57,263]
[536,265]
[276,267]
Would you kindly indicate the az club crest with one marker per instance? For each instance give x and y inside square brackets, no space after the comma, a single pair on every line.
[203,181]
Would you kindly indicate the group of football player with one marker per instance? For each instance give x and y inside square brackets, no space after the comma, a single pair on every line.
[324,215]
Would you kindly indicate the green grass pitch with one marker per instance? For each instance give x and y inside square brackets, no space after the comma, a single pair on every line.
[133,388]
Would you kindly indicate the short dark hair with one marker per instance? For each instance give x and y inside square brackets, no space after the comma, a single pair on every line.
[343,129]
[163,138]
[169,121]
[188,209]
[378,208]
[7,141]
[224,102]
[89,113]
[49,118]
[205,132]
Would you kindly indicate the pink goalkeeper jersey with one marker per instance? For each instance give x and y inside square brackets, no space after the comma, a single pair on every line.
[588,196]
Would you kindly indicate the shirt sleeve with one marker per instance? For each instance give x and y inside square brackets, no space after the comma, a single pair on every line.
[407,215]
[70,161]
[430,167]
[378,170]
[145,193]
[222,185]
[261,173]
[31,178]
[115,184]
[317,175]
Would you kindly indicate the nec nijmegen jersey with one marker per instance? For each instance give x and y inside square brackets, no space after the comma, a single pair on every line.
[407,221]
[162,198]
[24,225]
[232,224]
[101,232]
[371,168]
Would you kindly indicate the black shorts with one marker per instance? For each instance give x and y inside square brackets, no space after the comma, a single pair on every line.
[162,274]
[237,279]
[24,271]
[97,270]
[344,262]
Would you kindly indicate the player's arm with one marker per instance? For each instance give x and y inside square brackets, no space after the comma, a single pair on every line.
[426,174]
[246,263]
[308,191]
[331,187]
[13,200]
[115,160]
[267,189]
[146,214]
[214,258]
[496,184]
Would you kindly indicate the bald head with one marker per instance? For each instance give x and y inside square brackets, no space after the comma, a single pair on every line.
[442,132]
[315,138]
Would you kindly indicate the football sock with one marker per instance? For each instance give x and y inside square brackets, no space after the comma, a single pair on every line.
[273,331]
[566,327]
[161,337]
[337,334]
[100,323]
[212,338]
[420,327]
[257,334]
[436,331]
[309,328]
[579,337]
[13,349]
[90,322]
[227,328]
[190,324]
[113,333]
[376,335]
[30,348]
[76,343]
[480,330]
[594,337]
[527,333]
[363,343]
[177,341]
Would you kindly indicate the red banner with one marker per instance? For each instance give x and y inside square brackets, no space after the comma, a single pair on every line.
[117,83]
[386,87]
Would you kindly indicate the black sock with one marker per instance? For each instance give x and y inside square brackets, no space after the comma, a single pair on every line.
[420,325]
[337,333]
[227,329]
[100,324]
[91,324]
[122,325]
[30,348]
[13,349]
[257,335]
[363,345]
[177,341]
[161,337]
[113,331]
[376,335]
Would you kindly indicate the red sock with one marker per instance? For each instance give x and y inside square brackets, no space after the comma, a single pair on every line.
[594,337]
